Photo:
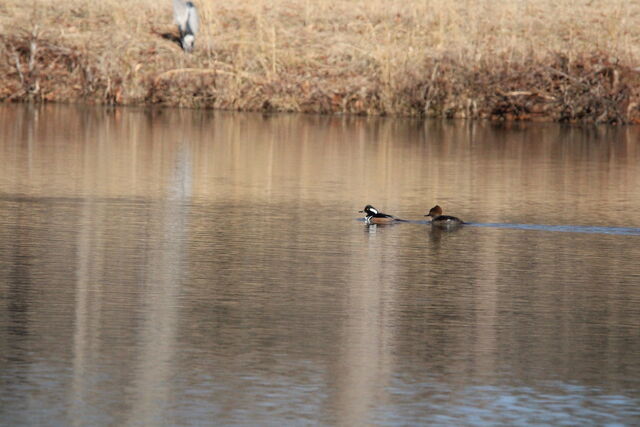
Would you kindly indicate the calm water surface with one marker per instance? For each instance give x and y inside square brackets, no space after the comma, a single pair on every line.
[190,268]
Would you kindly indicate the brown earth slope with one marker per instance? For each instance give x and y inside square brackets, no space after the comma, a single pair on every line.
[515,60]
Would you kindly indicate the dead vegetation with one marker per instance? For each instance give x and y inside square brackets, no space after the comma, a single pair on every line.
[516,60]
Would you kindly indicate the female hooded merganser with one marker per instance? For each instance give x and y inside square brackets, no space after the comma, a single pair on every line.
[375,217]
[442,220]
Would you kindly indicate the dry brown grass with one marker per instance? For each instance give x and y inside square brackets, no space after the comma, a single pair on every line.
[563,59]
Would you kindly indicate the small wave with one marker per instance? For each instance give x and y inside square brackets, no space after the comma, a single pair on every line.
[563,228]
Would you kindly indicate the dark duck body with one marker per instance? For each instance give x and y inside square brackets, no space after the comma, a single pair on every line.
[439,220]
[373,216]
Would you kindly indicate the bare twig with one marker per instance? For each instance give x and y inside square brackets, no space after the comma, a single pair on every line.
[19,67]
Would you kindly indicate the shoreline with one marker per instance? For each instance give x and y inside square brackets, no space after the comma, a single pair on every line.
[601,92]
[364,63]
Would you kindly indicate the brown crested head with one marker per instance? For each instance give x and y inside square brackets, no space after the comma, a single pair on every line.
[435,211]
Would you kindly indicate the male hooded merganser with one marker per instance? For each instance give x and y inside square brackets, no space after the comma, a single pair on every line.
[375,217]
[442,220]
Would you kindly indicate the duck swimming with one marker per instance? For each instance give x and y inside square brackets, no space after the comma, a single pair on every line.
[440,220]
[373,216]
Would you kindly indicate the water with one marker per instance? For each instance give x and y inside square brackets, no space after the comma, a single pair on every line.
[190,268]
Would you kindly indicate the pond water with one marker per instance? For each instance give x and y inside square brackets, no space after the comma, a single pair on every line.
[175,267]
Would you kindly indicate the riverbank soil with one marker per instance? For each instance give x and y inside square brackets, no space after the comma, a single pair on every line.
[562,60]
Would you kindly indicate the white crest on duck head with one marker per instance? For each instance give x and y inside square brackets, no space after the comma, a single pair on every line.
[370,210]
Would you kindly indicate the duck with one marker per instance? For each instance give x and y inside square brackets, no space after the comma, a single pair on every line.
[373,216]
[439,220]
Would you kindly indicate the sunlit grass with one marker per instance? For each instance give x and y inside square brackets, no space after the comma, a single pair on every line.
[409,57]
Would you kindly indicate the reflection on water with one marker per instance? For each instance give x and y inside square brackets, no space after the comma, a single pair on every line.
[181,267]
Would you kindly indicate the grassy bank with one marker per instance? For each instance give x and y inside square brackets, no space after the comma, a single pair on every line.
[565,60]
